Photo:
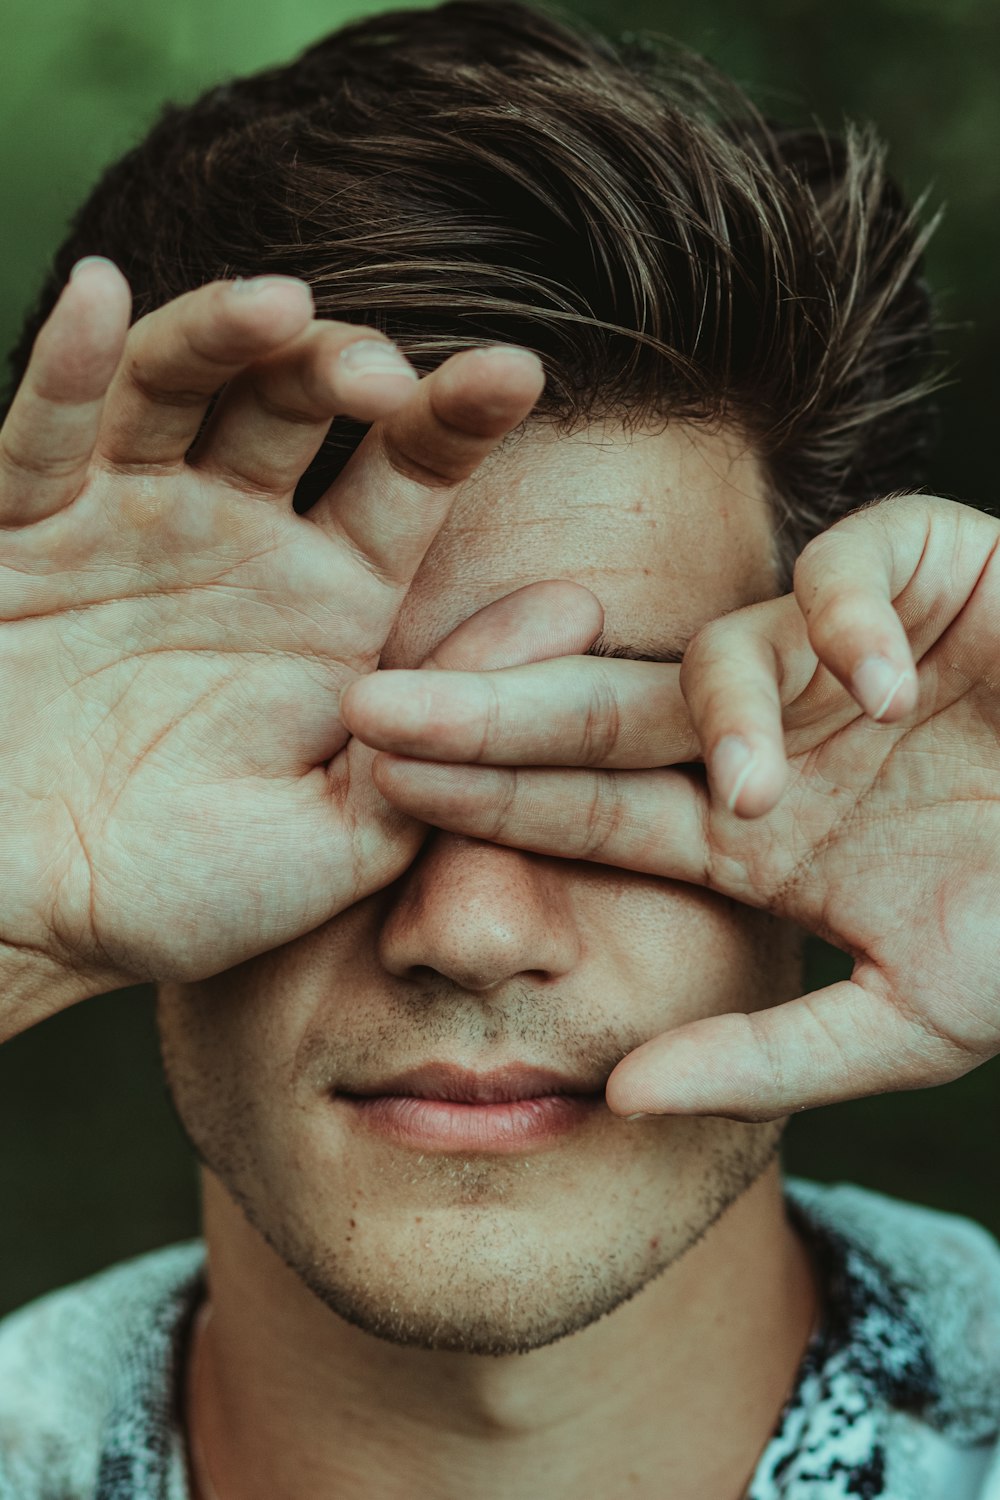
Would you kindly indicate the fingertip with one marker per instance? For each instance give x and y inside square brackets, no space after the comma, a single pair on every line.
[349,705]
[515,358]
[762,791]
[78,347]
[253,288]
[393,775]
[572,607]
[264,311]
[625,1093]
[356,707]
[87,264]
[488,391]
[385,770]
[388,714]
[98,286]
[884,692]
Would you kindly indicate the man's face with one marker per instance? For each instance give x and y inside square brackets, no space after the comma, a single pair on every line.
[484,957]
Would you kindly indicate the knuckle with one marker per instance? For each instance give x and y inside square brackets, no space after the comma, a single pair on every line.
[708,642]
[37,465]
[880,503]
[156,388]
[812,565]
[119,468]
[814,545]
[409,467]
[601,725]
[493,721]
[720,687]
[383,575]
[838,613]
[505,806]
[270,402]
[602,817]
[773,1068]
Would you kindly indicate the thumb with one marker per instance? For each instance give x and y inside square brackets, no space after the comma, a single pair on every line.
[541,620]
[841,1042]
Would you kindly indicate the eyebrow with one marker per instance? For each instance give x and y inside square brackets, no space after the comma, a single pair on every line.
[638,651]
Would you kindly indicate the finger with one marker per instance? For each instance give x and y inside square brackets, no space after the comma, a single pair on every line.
[176,358]
[398,485]
[845,582]
[648,821]
[729,680]
[272,418]
[553,615]
[49,434]
[842,1042]
[574,711]
[530,624]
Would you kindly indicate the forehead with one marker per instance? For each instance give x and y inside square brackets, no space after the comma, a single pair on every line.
[668,528]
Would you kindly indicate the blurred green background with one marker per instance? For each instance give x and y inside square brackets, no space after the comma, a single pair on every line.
[93,1166]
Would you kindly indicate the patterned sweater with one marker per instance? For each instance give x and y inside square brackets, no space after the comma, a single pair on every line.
[897,1398]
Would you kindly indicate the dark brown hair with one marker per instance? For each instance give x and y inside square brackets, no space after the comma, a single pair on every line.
[485,172]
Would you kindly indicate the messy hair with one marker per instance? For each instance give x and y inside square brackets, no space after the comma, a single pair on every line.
[486,172]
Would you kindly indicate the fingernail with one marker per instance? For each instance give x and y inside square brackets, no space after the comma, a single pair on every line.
[732,762]
[876,682]
[254,285]
[642,1115]
[376,357]
[90,260]
[527,356]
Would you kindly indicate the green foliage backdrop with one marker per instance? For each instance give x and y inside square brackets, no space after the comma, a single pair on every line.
[92,1166]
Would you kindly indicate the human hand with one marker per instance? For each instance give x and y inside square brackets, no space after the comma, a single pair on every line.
[882,837]
[177,790]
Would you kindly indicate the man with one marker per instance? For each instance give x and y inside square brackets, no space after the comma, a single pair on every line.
[479,975]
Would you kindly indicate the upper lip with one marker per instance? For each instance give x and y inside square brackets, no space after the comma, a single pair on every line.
[463,1086]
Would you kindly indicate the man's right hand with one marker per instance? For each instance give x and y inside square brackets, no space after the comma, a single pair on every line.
[177,790]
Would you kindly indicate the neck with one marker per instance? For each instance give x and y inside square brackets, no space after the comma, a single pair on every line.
[676,1392]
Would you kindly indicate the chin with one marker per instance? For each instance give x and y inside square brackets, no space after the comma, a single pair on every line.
[483,1273]
[478,1292]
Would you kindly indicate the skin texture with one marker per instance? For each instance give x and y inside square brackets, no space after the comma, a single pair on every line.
[178,640]
[868,814]
[481,955]
[583,904]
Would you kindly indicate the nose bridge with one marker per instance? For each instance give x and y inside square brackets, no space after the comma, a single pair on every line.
[479,914]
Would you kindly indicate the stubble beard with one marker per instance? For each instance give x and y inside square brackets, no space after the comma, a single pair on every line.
[483,1289]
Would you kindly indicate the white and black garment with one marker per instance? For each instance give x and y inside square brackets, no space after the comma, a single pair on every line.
[897,1398]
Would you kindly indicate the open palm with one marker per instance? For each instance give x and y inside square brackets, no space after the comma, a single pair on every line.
[177,791]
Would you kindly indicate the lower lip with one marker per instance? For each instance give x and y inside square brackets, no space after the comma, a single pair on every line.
[444,1125]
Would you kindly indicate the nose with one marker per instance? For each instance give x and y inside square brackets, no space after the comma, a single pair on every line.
[480,914]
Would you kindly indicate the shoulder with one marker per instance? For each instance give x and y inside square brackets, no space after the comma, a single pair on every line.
[73,1361]
[942,1272]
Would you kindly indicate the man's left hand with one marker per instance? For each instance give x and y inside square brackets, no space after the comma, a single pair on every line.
[876,827]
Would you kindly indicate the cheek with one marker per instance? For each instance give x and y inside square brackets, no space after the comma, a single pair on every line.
[248,1021]
[227,1049]
[690,952]
[232,1046]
